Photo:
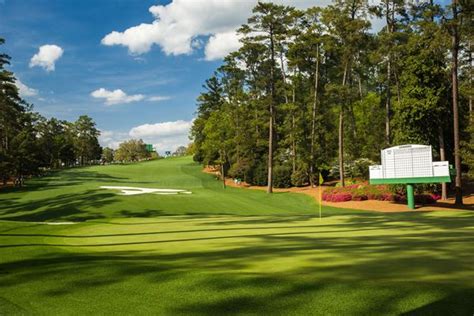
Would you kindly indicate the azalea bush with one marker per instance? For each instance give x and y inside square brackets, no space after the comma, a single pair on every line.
[362,192]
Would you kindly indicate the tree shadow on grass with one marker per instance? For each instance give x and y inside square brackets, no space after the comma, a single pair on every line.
[317,230]
[61,179]
[427,219]
[357,274]
[80,174]
[457,303]
[71,207]
[449,206]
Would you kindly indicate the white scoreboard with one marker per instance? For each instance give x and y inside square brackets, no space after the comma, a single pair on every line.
[408,161]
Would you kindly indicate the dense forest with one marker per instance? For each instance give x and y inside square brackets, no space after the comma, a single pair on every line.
[30,143]
[318,91]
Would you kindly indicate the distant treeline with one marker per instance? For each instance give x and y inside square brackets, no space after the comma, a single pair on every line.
[30,143]
[134,150]
[314,90]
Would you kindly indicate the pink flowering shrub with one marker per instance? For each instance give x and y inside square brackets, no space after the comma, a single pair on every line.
[362,192]
[337,197]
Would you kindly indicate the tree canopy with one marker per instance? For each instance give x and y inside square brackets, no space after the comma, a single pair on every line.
[314,90]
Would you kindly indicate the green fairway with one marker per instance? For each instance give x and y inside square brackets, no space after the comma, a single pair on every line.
[219,251]
[75,194]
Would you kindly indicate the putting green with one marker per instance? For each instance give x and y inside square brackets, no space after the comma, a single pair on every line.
[137,255]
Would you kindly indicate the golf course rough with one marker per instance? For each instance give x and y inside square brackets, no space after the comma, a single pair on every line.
[220,251]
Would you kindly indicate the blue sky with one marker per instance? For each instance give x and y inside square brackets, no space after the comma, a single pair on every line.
[136,67]
[86,65]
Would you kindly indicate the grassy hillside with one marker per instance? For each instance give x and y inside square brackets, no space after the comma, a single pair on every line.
[75,194]
[220,251]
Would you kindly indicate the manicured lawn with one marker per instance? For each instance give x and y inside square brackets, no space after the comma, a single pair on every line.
[75,194]
[221,251]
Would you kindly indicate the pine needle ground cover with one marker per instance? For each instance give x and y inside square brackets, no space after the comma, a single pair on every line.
[219,251]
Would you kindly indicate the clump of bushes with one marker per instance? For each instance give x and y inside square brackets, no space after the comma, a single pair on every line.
[299,178]
[337,197]
[362,192]
[357,169]
[282,176]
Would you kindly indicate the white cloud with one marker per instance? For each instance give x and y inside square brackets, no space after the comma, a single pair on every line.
[161,129]
[158,98]
[165,135]
[46,57]
[221,44]
[24,90]
[178,23]
[112,139]
[116,96]
[178,26]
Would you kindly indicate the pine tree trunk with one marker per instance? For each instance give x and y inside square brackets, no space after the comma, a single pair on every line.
[272,115]
[341,147]
[341,130]
[442,156]
[397,83]
[471,117]
[457,154]
[313,118]
[270,153]
[388,96]
[388,106]
[293,128]
[283,75]
[223,175]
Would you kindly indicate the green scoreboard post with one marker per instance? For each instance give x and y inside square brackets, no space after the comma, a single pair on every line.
[409,164]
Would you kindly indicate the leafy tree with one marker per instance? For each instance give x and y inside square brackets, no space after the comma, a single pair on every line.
[86,144]
[131,150]
[268,25]
[348,30]
[30,143]
[389,39]
[180,151]
[209,101]
[107,155]
[314,90]
[190,149]
[13,120]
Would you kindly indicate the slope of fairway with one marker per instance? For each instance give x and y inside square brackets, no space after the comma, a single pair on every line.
[75,194]
[220,252]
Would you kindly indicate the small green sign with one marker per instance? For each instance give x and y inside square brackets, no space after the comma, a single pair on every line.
[149,147]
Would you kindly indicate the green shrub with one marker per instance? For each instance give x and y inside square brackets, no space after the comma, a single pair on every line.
[348,182]
[357,169]
[399,189]
[427,187]
[240,169]
[360,168]
[299,178]
[258,175]
[282,176]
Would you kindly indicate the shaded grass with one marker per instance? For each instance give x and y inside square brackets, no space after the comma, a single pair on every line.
[344,264]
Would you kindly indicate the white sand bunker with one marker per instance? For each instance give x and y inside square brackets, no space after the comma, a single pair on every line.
[136,191]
